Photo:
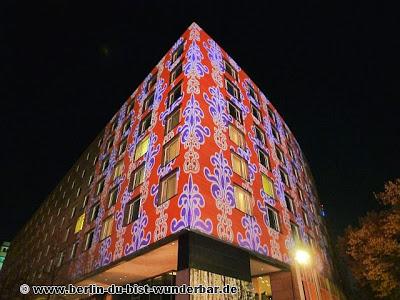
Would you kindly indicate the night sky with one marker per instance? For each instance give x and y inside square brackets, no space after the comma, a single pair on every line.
[332,71]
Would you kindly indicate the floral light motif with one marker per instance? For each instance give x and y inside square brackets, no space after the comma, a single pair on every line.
[215,56]
[217,108]
[222,191]
[251,240]
[192,134]
[191,202]
[194,69]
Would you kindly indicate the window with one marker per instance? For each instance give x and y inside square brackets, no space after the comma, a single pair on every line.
[284,177]
[271,115]
[259,134]
[142,147]
[168,187]
[88,156]
[296,173]
[289,203]
[104,164]
[107,227]
[176,72]
[83,173]
[126,127]
[253,93]
[151,82]
[59,211]
[264,159]
[137,177]
[132,211]
[242,199]
[275,133]
[110,142]
[232,89]
[60,259]
[145,124]
[148,102]
[171,150]
[118,169]
[90,180]
[100,187]
[279,154]
[268,186]
[95,160]
[73,184]
[305,217]
[66,204]
[67,234]
[234,111]
[295,231]
[113,197]
[177,53]
[173,120]
[89,239]
[239,165]
[79,223]
[256,113]
[114,124]
[73,212]
[273,220]
[230,70]
[174,95]
[236,136]
[78,192]
[130,107]
[73,250]
[122,147]
[291,153]
[94,212]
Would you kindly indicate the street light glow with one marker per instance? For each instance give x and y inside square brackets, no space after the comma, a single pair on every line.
[302,257]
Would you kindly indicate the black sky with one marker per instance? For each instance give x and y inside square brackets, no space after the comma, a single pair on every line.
[331,70]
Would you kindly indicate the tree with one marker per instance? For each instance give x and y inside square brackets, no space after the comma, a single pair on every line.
[373,248]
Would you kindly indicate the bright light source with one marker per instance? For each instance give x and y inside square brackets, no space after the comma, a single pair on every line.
[302,257]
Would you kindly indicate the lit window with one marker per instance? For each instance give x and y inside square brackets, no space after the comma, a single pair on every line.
[232,89]
[259,134]
[253,93]
[137,177]
[173,120]
[148,102]
[142,147]
[79,223]
[89,239]
[176,72]
[174,95]
[118,169]
[122,147]
[256,113]
[273,220]
[171,150]
[236,136]
[279,154]
[145,124]
[100,187]
[263,158]
[73,250]
[289,203]
[234,111]
[284,177]
[177,53]
[94,212]
[268,186]
[107,227]
[230,70]
[242,199]
[132,211]
[239,165]
[168,188]
[113,197]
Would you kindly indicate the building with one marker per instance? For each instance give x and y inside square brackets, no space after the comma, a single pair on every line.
[3,252]
[196,179]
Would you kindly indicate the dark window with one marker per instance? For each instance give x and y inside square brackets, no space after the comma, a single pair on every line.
[151,82]
[289,203]
[176,72]
[122,147]
[234,111]
[279,154]
[174,95]
[148,102]
[230,70]
[295,231]
[256,113]
[94,212]
[113,197]
[284,177]
[264,159]
[100,187]
[253,93]
[259,134]
[130,107]
[177,53]
[275,133]
[132,211]
[145,124]
[232,89]
[89,239]
[271,115]
[273,218]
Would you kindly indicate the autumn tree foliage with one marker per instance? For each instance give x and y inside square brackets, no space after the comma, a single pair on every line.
[372,249]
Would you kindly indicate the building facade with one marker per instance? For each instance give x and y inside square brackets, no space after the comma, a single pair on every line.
[3,252]
[196,179]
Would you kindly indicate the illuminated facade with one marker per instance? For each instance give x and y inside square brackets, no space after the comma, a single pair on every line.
[3,252]
[196,179]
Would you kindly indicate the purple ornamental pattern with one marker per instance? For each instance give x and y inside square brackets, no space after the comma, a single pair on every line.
[191,202]
[139,238]
[217,107]
[215,56]
[222,191]
[251,240]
